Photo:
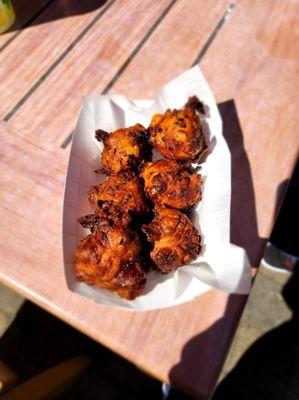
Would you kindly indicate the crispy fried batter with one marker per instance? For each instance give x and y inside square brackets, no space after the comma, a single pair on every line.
[178,134]
[111,258]
[89,221]
[176,241]
[114,255]
[119,196]
[124,149]
[166,182]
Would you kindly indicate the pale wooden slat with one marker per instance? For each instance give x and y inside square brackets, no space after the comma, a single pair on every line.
[151,357]
[33,52]
[255,62]
[33,215]
[214,319]
[172,49]
[93,64]
[233,75]
[25,10]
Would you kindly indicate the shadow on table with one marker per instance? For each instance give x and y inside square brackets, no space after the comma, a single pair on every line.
[244,229]
[288,215]
[37,341]
[214,342]
[40,12]
[269,369]
[200,350]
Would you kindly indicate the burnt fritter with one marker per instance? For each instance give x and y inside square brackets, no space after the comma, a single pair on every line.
[119,195]
[124,149]
[166,182]
[111,258]
[175,240]
[178,134]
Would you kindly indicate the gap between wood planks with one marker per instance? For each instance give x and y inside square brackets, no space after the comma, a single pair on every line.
[201,54]
[124,66]
[28,23]
[39,82]
[215,32]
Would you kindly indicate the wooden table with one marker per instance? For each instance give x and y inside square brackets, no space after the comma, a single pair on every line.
[65,49]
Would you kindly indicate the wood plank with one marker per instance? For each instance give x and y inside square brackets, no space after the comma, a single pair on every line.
[146,347]
[25,11]
[216,65]
[166,55]
[254,62]
[239,67]
[162,341]
[93,71]
[37,49]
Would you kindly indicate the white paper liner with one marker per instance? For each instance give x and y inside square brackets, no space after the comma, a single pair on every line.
[221,265]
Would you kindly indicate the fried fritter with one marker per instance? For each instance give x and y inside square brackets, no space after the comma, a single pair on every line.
[89,221]
[176,241]
[166,182]
[120,196]
[178,134]
[110,258]
[124,149]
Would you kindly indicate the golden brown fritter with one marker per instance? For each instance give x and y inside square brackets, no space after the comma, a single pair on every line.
[110,258]
[89,221]
[124,149]
[178,134]
[119,195]
[176,241]
[166,182]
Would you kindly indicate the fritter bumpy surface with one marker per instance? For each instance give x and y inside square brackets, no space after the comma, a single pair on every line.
[166,182]
[110,258]
[124,149]
[116,255]
[178,134]
[176,241]
[121,193]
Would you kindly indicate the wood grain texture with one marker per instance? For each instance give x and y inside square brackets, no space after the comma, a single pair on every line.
[30,55]
[164,343]
[172,49]
[25,10]
[254,63]
[248,66]
[100,54]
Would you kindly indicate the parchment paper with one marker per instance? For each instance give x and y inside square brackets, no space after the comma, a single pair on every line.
[221,265]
